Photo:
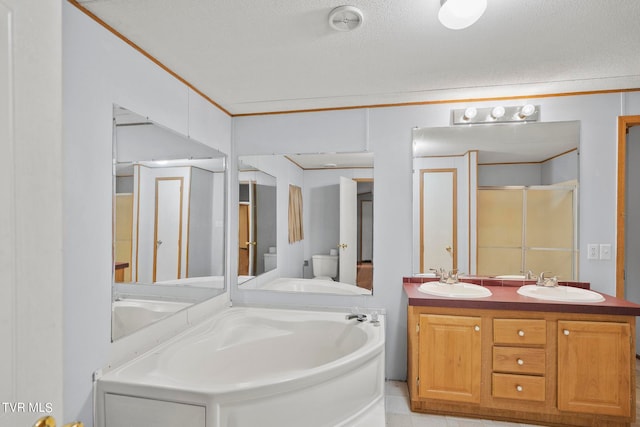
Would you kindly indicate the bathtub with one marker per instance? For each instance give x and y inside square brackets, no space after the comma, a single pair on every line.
[253,367]
[129,315]
[314,285]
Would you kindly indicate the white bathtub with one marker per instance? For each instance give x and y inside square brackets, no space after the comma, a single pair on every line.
[322,286]
[129,315]
[254,367]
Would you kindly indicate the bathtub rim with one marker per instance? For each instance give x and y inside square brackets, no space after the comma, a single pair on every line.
[368,351]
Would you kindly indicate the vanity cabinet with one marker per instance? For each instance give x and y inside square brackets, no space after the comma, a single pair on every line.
[594,361]
[549,368]
[450,362]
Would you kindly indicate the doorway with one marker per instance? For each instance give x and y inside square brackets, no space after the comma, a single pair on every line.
[438,227]
[628,210]
[167,255]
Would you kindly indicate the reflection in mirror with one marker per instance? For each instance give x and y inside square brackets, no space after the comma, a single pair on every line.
[496,199]
[337,223]
[169,216]
[257,228]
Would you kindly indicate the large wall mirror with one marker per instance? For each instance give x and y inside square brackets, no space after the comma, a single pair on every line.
[169,222]
[497,199]
[326,201]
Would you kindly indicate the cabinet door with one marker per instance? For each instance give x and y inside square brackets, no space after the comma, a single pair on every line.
[449,358]
[594,367]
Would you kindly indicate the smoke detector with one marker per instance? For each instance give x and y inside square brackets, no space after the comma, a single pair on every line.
[345,18]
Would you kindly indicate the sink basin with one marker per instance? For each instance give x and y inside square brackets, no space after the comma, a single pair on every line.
[458,290]
[511,277]
[560,293]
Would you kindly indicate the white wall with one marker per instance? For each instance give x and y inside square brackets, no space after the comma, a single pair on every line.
[31,209]
[98,71]
[387,132]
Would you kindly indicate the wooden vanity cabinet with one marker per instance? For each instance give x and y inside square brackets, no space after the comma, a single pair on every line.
[554,369]
[594,361]
[452,371]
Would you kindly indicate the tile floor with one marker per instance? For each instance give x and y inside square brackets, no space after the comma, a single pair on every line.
[398,413]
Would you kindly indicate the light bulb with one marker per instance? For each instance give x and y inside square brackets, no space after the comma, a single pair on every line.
[470,113]
[526,111]
[497,112]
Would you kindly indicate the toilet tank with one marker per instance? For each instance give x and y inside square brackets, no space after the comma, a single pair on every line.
[325,265]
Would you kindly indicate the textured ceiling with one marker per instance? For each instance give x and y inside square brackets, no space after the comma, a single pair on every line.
[257,56]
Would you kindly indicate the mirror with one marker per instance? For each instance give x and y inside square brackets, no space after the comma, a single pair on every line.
[169,222]
[496,199]
[257,226]
[333,196]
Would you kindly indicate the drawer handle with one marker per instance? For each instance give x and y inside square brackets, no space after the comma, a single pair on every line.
[521,333]
[519,388]
[476,328]
[520,362]
[566,332]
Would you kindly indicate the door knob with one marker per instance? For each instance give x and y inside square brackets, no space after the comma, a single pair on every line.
[448,249]
[49,421]
[342,245]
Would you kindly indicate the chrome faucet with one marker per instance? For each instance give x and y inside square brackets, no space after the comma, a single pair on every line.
[360,317]
[446,277]
[547,281]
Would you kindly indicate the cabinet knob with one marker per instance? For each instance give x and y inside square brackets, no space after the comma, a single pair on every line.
[520,362]
[566,332]
[521,333]
[519,388]
[476,328]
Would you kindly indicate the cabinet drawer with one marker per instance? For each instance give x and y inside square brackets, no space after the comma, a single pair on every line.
[521,387]
[519,360]
[520,331]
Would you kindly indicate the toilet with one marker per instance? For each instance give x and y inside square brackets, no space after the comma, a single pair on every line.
[270,261]
[324,266]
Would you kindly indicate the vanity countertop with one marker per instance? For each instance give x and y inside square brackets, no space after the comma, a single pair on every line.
[505,297]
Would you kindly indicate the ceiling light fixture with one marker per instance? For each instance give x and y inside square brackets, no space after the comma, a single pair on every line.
[345,18]
[459,14]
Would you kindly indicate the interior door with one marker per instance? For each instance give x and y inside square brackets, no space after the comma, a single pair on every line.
[123,231]
[366,233]
[632,226]
[438,219]
[348,230]
[243,239]
[167,256]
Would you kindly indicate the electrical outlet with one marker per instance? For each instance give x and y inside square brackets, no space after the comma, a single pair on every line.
[605,251]
[592,251]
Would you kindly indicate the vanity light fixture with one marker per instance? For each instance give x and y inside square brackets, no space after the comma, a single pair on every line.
[497,114]
[460,14]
